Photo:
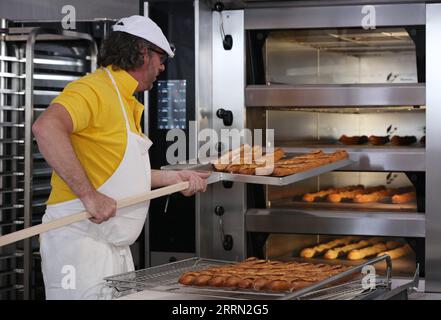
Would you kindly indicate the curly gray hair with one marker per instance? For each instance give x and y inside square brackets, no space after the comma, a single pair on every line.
[123,51]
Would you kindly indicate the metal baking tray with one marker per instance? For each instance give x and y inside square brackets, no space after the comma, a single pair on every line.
[265,180]
[165,279]
[297,203]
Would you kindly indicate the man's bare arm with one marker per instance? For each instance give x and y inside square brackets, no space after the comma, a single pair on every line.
[197,180]
[52,131]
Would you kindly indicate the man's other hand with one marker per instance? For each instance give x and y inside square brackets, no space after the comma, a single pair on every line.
[197,180]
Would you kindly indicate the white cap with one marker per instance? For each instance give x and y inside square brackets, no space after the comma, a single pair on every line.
[145,28]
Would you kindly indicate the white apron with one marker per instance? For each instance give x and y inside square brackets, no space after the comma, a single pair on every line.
[76,258]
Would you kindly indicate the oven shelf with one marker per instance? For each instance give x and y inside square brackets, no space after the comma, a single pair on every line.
[359,95]
[370,158]
[403,224]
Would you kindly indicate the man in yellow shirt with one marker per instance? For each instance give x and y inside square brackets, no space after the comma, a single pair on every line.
[91,136]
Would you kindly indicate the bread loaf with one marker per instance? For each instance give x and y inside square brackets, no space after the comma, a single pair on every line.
[366,252]
[262,275]
[403,141]
[353,140]
[397,253]
[335,253]
[374,196]
[378,140]
[310,197]
[311,252]
[404,197]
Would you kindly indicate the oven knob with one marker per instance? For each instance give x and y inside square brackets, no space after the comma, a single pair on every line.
[228,242]
[219,210]
[226,116]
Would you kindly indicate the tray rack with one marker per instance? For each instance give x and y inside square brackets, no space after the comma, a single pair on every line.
[165,279]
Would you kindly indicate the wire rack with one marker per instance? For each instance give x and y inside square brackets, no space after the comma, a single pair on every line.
[347,291]
[165,279]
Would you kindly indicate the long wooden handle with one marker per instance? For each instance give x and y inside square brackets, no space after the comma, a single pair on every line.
[40,228]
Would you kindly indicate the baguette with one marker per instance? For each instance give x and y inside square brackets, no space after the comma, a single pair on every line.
[338,197]
[404,197]
[366,252]
[311,252]
[266,163]
[403,141]
[378,140]
[353,140]
[374,196]
[310,197]
[223,162]
[335,253]
[271,158]
[397,253]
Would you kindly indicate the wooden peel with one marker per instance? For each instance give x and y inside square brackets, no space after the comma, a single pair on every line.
[126,202]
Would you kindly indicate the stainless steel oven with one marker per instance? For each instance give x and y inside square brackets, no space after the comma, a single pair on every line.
[312,73]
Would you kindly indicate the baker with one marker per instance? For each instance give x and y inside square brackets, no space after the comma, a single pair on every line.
[91,136]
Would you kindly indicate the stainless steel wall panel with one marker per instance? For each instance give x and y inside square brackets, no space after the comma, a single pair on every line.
[335,95]
[433,149]
[335,222]
[204,116]
[228,84]
[332,16]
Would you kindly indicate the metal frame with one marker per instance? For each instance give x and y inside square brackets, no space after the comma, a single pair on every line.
[29,119]
[30,96]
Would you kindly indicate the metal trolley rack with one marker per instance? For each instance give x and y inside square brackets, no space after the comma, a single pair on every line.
[165,279]
[35,64]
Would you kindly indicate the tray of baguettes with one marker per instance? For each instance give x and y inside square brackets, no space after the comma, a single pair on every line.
[251,164]
[252,278]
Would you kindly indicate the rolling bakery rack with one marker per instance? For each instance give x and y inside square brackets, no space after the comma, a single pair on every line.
[35,65]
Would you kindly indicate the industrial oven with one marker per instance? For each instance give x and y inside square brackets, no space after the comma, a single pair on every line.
[316,74]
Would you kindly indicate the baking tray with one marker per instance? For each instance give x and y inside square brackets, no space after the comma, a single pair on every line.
[165,279]
[402,267]
[373,206]
[265,180]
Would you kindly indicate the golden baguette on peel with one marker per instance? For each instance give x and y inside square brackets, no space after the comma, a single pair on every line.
[271,157]
[267,162]
[227,158]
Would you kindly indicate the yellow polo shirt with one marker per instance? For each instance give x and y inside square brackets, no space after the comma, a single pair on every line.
[99,135]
